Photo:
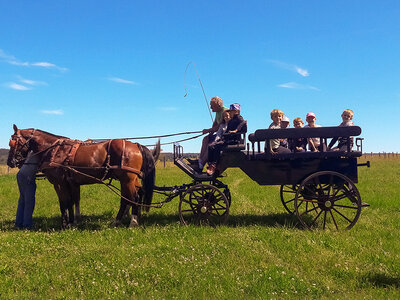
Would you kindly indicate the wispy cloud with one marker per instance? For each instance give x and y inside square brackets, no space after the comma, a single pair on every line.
[52,112]
[31,82]
[124,81]
[295,85]
[167,108]
[12,60]
[18,87]
[301,71]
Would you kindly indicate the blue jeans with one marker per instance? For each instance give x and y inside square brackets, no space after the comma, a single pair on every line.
[26,204]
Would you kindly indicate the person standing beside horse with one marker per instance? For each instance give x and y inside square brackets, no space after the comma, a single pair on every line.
[26,178]
[217,106]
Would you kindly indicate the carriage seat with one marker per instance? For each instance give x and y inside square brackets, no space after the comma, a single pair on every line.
[236,142]
[264,135]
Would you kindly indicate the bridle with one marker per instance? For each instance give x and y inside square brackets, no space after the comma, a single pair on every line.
[20,144]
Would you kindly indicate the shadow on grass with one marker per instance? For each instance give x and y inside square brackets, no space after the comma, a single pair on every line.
[382,280]
[271,220]
[102,221]
[86,222]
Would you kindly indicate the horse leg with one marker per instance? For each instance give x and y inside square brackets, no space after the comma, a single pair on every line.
[123,206]
[76,198]
[61,199]
[129,191]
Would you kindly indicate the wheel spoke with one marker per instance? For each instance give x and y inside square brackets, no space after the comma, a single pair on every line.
[348,220]
[323,227]
[333,219]
[307,211]
[312,223]
[345,206]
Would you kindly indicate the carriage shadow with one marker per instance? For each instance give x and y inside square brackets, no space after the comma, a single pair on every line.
[241,220]
[381,280]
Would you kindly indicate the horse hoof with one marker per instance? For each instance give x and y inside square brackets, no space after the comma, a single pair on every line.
[134,222]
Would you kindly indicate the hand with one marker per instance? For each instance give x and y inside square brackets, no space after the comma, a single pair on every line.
[206,131]
[233,131]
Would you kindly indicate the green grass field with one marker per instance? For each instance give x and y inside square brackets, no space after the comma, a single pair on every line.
[260,253]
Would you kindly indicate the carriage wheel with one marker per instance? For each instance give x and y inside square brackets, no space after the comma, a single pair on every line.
[327,200]
[288,194]
[203,204]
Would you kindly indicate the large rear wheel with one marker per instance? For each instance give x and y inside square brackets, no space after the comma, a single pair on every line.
[327,199]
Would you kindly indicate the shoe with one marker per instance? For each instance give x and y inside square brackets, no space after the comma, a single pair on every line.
[211,169]
[365,204]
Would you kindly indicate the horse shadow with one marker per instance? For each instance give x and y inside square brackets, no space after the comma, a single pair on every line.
[53,223]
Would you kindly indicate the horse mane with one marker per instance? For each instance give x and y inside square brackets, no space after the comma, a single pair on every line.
[48,133]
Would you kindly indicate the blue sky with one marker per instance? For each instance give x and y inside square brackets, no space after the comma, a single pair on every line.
[109,69]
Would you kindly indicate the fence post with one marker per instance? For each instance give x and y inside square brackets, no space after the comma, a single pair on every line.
[164,162]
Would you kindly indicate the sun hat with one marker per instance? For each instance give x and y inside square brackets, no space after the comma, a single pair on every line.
[310,114]
[234,106]
[285,119]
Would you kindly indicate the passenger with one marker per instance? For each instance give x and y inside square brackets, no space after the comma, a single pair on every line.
[298,144]
[285,123]
[347,118]
[237,124]
[275,144]
[217,106]
[314,143]
[234,125]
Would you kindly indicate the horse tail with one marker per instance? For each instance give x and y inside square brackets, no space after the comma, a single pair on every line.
[149,172]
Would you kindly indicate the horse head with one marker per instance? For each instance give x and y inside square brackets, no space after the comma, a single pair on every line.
[20,144]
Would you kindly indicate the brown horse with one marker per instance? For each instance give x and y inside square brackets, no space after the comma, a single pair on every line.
[68,164]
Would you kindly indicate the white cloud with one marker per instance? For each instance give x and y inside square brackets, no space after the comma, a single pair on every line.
[31,82]
[295,85]
[301,71]
[53,112]
[14,61]
[120,80]
[18,87]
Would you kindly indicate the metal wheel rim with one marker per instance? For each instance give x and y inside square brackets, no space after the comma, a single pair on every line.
[203,204]
[335,205]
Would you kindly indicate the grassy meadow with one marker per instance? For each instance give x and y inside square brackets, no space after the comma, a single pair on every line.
[260,253]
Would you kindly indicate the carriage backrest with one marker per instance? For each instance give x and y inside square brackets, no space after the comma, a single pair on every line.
[334,132]
[292,133]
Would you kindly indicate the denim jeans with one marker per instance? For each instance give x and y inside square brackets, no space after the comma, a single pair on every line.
[26,179]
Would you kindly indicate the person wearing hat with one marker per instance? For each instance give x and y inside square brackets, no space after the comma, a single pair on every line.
[285,123]
[236,125]
[314,144]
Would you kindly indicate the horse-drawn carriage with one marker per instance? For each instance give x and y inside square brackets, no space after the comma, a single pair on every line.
[319,187]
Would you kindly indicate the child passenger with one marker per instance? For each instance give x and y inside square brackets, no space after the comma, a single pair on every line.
[298,144]
[314,144]
[275,144]
[285,123]
[347,118]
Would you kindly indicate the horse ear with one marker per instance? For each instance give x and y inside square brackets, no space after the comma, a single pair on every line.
[15,128]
